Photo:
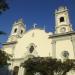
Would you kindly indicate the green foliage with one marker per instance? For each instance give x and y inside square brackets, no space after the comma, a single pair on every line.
[3,6]
[47,66]
[3,58]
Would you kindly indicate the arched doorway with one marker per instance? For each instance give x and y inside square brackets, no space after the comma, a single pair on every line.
[15,70]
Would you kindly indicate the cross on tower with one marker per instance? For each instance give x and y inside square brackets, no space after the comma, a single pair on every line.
[34,25]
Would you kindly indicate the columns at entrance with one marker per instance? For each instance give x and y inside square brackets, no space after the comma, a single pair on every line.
[21,71]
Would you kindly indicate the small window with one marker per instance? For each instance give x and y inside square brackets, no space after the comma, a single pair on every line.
[61,19]
[31,49]
[21,31]
[15,30]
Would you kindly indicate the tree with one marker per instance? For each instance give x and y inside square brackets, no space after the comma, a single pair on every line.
[47,66]
[3,6]
[4,64]
[3,58]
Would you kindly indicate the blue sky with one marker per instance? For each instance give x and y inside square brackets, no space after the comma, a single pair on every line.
[34,11]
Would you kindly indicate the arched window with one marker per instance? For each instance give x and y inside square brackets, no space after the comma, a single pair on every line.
[31,49]
[15,71]
[21,31]
[15,30]
[65,54]
[61,19]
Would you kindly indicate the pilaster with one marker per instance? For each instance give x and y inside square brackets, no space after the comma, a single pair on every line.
[53,48]
[73,43]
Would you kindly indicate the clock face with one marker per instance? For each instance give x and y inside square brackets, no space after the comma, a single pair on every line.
[63,29]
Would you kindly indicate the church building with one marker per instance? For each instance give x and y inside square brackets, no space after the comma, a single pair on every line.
[60,44]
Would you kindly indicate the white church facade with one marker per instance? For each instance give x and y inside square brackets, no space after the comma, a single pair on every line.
[60,44]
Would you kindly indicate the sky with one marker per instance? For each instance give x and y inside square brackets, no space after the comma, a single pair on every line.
[40,12]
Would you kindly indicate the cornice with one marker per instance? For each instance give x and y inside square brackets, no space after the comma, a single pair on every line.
[62,34]
[8,43]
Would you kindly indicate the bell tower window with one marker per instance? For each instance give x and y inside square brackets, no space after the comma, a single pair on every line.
[15,30]
[61,19]
[21,31]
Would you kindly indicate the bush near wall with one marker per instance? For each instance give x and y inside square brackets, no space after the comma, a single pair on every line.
[47,66]
[3,63]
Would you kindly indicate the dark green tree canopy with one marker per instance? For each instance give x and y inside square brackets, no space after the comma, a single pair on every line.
[3,58]
[3,6]
[47,66]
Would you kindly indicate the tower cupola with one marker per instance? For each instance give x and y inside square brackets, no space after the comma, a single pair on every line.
[62,21]
[18,30]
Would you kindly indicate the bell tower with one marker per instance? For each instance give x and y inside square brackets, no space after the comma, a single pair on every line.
[18,30]
[62,21]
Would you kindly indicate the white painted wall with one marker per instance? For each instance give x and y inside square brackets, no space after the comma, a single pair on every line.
[64,45]
[37,37]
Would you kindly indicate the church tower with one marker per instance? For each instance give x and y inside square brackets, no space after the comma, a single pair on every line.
[17,31]
[62,21]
